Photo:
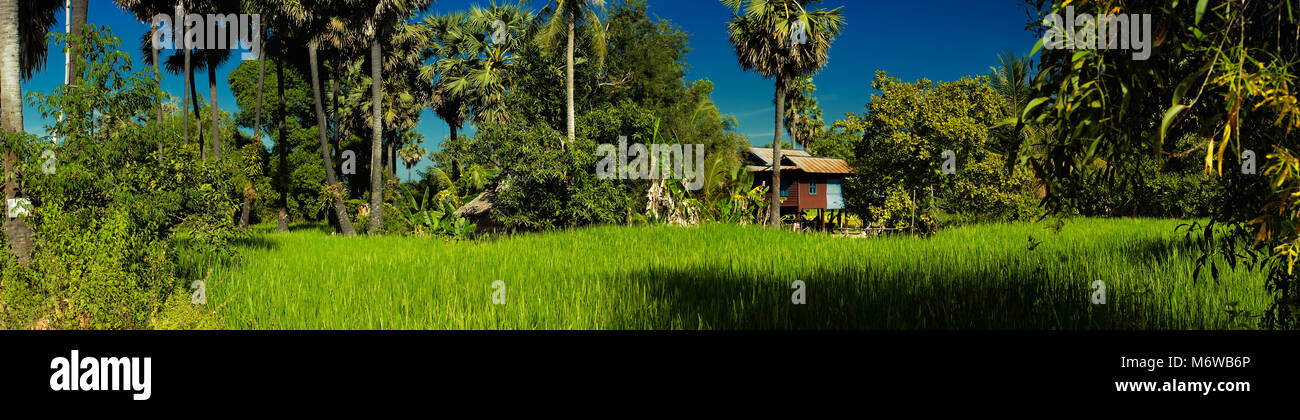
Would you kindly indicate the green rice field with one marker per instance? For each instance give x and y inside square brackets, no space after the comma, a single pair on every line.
[735,277]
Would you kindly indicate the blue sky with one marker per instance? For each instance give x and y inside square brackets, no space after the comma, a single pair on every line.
[936,39]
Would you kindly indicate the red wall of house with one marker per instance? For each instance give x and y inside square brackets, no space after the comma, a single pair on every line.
[811,201]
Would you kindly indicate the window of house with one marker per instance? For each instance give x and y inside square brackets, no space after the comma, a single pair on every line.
[812,188]
[785,188]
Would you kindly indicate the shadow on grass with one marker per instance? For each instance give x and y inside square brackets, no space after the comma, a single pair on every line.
[1015,298]
[256,241]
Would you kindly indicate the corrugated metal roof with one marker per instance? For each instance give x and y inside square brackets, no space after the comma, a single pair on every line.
[759,168]
[816,165]
[765,154]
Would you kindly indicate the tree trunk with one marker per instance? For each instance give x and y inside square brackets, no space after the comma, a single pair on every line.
[157,74]
[568,69]
[282,173]
[376,136]
[776,153]
[216,118]
[17,234]
[340,211]
[261,83]
[334,112]
[246,207]
[198,115]
[76,18]
[189,76]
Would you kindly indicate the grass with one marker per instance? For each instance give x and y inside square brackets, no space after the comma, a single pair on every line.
[735,277]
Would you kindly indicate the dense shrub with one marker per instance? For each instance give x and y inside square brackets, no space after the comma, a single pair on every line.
[112,211]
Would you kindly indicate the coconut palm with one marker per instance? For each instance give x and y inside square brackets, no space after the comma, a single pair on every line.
[565,16]
[781,39]
[1010,79]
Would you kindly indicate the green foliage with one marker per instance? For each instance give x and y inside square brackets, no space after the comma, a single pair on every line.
[110,210]
[1220,74]
[907,128]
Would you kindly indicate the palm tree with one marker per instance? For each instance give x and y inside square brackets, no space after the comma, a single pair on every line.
[76,19]
[145,10]
[471,74]
[185,62]
[565,16]
[214,58]
[318,27]
[383,15]
[411,155]
[1010,79]
[23,26]
[803,117]
[781,39]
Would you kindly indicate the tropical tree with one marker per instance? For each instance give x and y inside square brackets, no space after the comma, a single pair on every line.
[1011,79]
[475,57]
[145,10]
[411,155]
[383,15]
[803,117]
[781,39]
[23,26]
[76,19]
[319,25]
[565,17]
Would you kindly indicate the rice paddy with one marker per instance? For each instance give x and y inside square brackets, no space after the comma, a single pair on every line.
[989,276]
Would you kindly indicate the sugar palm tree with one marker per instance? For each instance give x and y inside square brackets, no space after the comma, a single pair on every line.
[803,117]
[444,43]
[75,18]
[411,155]
[565,17]
[145,10]
[471,74]
[317,25]
[186,62]
[380,15]
[781,39]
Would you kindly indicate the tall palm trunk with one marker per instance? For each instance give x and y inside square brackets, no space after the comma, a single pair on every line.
[216,120]
[157,75]
[568,70]
[376,135]
[282,143]
[17,234]
[189,75]
[249,192]
[198,116]
[334,107]
[340,211]
[75,10]
[776,153]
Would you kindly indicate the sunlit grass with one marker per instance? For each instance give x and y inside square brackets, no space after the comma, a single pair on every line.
[733,277]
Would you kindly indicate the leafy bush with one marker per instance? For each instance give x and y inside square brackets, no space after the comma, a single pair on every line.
[111,210]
